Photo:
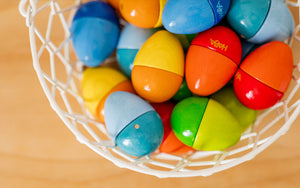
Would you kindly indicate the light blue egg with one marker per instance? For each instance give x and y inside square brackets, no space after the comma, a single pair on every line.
[131,40]
[133,37]
[193,16]
[247,16]
[94,32]
[121,108]
[261,21]
[278,26]
[132,123]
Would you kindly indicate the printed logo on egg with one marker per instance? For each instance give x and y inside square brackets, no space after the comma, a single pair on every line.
[218,44]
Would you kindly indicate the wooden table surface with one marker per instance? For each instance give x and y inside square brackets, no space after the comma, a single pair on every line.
[37,150]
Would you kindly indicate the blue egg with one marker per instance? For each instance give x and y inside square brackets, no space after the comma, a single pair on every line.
[261,21]
[97,9]
[193,16]
[142,136]
[133,124]
[131,40]
[95,32]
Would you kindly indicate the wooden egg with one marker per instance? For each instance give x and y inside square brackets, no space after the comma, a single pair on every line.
[144,14]
[245,116]
[205,124]
[158,67]
[264,75]
[212,60]
[193,16]
[97,84]
[133,124]
[261,21]
[114,3]
[94,32]
[131,40]
[170,143]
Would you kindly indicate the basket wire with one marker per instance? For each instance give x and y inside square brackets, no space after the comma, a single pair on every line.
[59,72]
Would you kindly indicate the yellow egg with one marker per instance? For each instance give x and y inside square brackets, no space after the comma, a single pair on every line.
[158,68]
[98,83]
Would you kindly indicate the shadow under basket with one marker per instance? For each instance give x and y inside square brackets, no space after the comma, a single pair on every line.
[60,72]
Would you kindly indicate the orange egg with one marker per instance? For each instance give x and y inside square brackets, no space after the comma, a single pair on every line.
[212,60]
[114,3]
[264,75]
[144,14]
[158,68]
[170,143]
[274,70]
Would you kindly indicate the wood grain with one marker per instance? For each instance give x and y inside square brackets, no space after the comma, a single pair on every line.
[37,150]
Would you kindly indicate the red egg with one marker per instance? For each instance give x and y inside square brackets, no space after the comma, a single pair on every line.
[170,143]
[212,60]
[264,75]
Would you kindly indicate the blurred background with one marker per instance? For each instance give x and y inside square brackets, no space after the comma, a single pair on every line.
[37,149]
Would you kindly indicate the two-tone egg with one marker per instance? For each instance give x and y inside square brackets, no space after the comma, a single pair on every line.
[94,32]
[98,83]
[131,40]
[245,116]
[114,3]
[205,124]
[212,60]
[158,68]
[261,21]
[133,124]
[264,75]
[170,143]
[144,14]
[193,16]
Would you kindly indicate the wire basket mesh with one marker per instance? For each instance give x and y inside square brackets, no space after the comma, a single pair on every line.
[60,72]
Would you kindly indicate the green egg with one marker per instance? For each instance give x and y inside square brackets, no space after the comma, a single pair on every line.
[205,124]
[244,115]
[186,118]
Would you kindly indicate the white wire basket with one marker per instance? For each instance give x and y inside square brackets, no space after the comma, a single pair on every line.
[59,72]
